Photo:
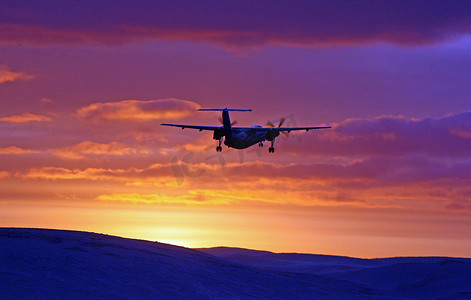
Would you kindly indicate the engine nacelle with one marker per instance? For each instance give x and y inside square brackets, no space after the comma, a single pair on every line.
[218,134]
[272,134]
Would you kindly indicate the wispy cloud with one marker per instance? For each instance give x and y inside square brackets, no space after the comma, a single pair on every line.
[16,150]
[59,173]
[26,117]
[192,198]
[45,100]
[7,75]
[247,23]
[379,182]
[392,161]
[138,110]
[88,148]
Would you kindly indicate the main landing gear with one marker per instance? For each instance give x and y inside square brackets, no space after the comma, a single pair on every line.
[219,148]
[272,149]
[260,144]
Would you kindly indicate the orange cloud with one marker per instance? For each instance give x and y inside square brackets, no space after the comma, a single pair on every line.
[316,185]
[122,175]
[4,174]
[192,198]
[15,150]
[7,75]
[138,110]
[90,148]
[55,173]
[26,117]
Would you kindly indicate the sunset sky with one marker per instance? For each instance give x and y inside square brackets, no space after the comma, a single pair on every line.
[85,85]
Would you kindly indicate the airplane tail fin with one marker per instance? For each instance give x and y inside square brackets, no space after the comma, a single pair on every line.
[223,109]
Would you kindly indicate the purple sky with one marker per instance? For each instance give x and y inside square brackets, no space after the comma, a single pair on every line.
[84,86]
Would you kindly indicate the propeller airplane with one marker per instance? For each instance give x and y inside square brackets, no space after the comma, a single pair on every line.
[243,137]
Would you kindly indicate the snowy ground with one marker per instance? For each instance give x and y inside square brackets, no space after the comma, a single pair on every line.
[52,264]
[397,277]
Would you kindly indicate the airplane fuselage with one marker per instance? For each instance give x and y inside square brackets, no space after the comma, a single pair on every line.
[245,138]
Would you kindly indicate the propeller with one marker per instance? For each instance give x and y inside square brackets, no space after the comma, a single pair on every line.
[232,123]
[282,120]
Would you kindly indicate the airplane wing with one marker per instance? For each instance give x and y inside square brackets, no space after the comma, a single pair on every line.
[255,128]
[199,127]
[287,129]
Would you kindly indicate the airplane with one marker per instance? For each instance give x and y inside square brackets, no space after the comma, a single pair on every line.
[243,137]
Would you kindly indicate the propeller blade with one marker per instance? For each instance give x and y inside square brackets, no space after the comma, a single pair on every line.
[281,122]
[232,124]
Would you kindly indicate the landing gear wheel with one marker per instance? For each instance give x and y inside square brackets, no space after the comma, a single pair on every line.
[260,144]
[271,150]
[219,148]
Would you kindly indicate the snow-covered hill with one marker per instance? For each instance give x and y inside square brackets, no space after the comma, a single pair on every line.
[52,264]
[398,277]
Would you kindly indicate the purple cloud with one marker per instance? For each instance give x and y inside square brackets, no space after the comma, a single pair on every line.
[313,23]
[448,136]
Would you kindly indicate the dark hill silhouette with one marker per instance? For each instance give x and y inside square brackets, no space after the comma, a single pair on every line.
[400,277]
[52,264]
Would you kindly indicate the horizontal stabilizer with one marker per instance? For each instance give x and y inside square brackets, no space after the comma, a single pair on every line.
[223,109]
